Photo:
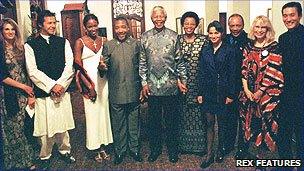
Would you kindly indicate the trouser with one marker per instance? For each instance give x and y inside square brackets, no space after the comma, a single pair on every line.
[163,109]
[62,140]
[222,131]
[125,126]
[232,118]
[291,121]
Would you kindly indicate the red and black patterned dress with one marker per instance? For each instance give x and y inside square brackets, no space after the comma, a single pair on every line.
[262,69]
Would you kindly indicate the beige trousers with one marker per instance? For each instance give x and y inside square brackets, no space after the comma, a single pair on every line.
[62,140]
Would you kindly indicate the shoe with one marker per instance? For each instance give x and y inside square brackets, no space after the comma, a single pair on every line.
[206,163]
[241,154]
[68,158]
[173,158]
[118,159]
[220,155]
[43,164]
[153,156]
[136,156]
[105,155]
[98,158]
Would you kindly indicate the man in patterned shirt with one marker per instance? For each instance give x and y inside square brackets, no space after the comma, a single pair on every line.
[159,60]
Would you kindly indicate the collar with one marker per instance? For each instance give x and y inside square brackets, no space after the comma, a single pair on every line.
[127,40]
[296,29]
[46,37]
[156,32]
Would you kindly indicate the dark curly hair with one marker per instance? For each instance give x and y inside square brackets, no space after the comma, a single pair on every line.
[190,14]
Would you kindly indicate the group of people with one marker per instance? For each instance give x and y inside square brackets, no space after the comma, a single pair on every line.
[249,83]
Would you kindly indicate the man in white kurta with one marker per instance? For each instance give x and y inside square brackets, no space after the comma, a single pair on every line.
[53,110]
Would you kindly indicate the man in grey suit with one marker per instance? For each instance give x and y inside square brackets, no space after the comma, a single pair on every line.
[121,58]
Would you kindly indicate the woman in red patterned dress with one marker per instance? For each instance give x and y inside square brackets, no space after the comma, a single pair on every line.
[262,80]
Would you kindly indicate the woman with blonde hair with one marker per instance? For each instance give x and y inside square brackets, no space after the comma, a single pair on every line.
[15,94]
[262,80]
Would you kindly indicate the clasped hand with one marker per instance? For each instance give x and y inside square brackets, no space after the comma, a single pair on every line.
[253,96]
[57,90]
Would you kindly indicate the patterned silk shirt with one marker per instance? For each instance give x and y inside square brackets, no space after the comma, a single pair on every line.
[160,62]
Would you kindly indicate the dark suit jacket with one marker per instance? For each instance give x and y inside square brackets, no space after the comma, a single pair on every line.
[217,73]
[292,47]
[238,43]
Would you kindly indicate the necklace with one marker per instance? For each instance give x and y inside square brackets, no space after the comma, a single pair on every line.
[94,42]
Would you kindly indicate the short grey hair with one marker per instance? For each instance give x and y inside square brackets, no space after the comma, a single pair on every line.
[159,8]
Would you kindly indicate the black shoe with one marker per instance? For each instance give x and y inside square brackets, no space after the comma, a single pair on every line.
[153,156]
[173,158]
[68,158]
[241,154]
[220,155]
[206,163]
[136,156]
[43,164]
[118,159]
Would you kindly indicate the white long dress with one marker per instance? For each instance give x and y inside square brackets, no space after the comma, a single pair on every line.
[98,124]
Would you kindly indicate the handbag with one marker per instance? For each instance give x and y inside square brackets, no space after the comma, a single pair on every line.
[84,83]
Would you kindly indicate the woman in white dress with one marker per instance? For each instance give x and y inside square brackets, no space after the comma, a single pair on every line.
[87,54]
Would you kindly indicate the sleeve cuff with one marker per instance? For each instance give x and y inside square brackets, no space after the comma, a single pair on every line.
[50,86]
[143,83]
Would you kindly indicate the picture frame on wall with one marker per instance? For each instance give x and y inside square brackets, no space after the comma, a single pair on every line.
[269,13]
[179,28]
[201,26]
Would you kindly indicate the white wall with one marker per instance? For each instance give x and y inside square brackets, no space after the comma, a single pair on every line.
[259,7]
[23,17]
[102,9]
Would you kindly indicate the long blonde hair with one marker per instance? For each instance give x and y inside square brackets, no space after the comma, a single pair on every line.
[270,35]
[18,44]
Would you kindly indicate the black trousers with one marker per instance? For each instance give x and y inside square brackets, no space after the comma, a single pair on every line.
[163,116]
[291,121]
[232,119]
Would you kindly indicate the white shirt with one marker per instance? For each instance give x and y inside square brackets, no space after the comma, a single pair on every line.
[51,118]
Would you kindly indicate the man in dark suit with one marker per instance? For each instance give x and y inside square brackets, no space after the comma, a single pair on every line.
[292,47]
[238,39]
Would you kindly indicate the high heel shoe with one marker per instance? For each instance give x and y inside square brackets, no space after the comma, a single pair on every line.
[207,162]
[98,158]
[104,155]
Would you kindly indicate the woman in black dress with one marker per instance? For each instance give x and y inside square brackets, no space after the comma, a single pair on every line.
[192,127]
